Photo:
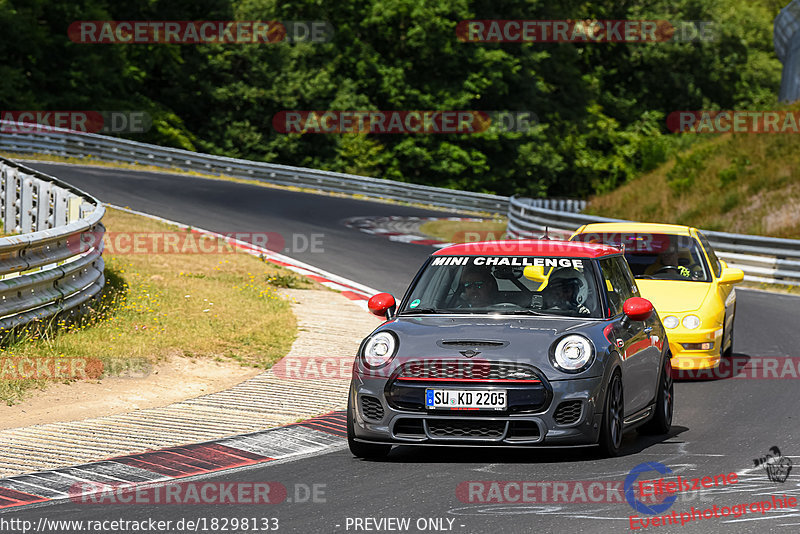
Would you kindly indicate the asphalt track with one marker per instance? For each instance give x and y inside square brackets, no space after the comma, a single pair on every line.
[719,426]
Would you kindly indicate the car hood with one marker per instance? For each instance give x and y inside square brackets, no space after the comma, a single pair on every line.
[674,296]
[524,339]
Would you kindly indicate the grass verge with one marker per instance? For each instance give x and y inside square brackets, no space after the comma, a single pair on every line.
[772,288]
[743,183]
[223,306]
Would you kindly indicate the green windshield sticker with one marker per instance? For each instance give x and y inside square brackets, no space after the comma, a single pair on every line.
[414,303]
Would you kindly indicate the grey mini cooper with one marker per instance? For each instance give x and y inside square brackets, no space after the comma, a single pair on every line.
[512,344]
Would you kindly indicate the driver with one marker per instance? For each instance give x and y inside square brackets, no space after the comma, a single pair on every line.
[566,290]
[478,288]
[666,260]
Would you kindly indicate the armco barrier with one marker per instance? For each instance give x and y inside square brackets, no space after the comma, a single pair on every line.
[77,144]
[44,268]
[763,259]
[67,143]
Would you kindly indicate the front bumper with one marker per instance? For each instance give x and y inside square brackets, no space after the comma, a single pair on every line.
[693,359]
[569,414]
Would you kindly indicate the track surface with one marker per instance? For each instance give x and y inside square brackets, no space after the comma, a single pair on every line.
[719,426]
[223,207]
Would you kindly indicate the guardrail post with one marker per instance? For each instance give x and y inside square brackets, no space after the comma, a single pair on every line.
[26,205]
[10,211]
[43,211]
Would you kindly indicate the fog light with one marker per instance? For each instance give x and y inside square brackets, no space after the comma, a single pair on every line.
[698,346]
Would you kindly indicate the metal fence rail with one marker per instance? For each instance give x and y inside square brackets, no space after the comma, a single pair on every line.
[763,259]
[67,143]
[45,269]
[74,144]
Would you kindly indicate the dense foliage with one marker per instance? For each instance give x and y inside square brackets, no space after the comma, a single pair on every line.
[601,107]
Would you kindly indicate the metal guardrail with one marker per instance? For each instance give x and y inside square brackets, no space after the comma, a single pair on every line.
[45,269]
[68,143]
[763,259]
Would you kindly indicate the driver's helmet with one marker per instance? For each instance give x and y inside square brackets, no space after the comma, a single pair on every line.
[569,277]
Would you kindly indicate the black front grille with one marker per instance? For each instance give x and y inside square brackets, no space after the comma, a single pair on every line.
[450,428]
[468,343]
[371,408]
[568,412]
[466,370]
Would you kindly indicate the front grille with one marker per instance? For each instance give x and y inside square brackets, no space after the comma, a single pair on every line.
[465,370]
[441,428]
[468,343]
[371,408]
[568,412]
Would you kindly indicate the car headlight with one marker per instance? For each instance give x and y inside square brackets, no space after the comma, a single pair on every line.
[573,353]
[691,322]
[670,321]
[379,349]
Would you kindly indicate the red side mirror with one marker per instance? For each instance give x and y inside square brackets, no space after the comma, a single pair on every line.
[638,309]
[381,303]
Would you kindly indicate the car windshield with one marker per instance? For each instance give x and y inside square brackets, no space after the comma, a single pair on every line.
[506,285]
[657,256]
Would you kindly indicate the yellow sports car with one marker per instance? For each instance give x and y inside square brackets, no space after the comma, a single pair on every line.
[691,289]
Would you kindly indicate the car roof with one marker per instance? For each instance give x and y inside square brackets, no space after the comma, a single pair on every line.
[529,247]
[651,228]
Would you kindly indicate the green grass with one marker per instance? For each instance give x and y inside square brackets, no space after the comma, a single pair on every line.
[221,306]
[742,183]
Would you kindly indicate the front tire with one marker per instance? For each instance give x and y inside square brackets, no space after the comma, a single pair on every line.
[661,423]
[729,351]
[613,418]
[367,451]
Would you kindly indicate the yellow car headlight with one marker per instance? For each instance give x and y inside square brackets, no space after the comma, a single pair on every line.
[691,322]
[670,321]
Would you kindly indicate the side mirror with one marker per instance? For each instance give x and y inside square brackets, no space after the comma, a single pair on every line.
[731,276]
[638,309]
[382,305]
[535,273]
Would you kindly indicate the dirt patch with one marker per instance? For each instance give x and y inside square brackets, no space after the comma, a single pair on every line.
[176,379]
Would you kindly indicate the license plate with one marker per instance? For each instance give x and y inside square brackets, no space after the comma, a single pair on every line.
[459,399]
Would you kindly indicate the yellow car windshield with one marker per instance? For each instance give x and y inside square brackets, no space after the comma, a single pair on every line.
[657,256]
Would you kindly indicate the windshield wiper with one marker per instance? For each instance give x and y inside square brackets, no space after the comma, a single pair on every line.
[417,311]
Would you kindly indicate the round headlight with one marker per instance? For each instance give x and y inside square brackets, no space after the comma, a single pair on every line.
[691,322]
[670,321]
[573,353]
[379,349]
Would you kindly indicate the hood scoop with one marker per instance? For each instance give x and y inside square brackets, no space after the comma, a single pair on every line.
[471,344]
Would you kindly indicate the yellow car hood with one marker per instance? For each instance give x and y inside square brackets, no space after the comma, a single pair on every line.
[671,296]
